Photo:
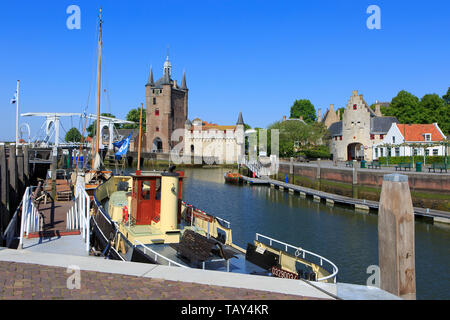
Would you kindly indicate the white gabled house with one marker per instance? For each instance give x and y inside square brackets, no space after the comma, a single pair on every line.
[411,139]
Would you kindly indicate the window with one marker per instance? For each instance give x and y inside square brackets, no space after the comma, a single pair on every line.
[415,151]
[393,139]
[335,138]
[427,152]
[154,100]
[381,136]
[372,137]
[376,152]
[389,153]
[157,112]
[435,152]
[157,129]
[354,107]
[340,138]
[397,152]
[427,136]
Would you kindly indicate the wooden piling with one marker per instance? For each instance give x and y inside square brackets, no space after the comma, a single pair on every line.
[396,237]
[13,180]
[4,186]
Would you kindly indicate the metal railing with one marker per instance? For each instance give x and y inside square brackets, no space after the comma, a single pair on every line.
[156,255]
[302,252]
[78,217]
[31,220]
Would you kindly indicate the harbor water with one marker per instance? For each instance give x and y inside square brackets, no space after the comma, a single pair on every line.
[346,237]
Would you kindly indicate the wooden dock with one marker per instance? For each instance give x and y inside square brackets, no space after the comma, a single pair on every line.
[330,198]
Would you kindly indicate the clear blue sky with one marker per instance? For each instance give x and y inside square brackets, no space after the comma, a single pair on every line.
[251,56]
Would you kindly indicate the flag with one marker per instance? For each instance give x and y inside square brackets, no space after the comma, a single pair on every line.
[123,146]
[14,100]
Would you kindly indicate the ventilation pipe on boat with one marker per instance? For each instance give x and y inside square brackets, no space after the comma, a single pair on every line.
[169,201]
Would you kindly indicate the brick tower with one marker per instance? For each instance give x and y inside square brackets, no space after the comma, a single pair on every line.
[166,107]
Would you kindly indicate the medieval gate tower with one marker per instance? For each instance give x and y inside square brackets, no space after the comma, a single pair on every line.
[166,109]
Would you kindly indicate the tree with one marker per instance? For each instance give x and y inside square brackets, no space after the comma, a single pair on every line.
[446,96]
[91,129]
[405,107]
[305,109]
[134,115]
[429,106]
[291,133]
[73,135]
[341,113]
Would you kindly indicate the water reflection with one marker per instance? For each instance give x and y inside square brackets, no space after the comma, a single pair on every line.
[346,237]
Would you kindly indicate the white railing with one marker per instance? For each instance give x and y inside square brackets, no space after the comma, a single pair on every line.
[156,255]
[302,252]
[256,166]
[31,220]
[78,217]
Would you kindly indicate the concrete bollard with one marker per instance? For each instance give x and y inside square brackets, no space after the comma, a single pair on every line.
[396,237]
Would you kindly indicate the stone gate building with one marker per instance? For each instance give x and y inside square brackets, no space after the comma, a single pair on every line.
[361,128]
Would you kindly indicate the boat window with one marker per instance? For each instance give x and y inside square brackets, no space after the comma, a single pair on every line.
[145,193]
[158,189]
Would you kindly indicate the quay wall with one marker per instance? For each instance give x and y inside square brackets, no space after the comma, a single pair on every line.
[427,190]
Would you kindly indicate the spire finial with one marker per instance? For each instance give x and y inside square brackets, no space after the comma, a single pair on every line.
[150,78]
[183,83]
[240,119]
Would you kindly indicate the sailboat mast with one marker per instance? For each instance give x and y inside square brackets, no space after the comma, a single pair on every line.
[99,74]
[138,171]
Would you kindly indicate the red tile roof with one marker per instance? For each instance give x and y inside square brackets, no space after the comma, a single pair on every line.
[416,132]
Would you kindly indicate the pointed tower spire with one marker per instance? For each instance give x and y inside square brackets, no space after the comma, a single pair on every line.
[150,78]
[183,83]
[240,119]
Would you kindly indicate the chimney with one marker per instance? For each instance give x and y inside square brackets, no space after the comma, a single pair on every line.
[319,116]
[284,118]
[174,83]
[378,110]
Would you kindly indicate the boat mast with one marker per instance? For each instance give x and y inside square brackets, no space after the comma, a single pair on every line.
[138,171]
[99,70]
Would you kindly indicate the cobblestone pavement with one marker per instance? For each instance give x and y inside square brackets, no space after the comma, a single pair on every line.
[35,282]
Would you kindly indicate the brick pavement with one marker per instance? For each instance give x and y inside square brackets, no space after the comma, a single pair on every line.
[36,282]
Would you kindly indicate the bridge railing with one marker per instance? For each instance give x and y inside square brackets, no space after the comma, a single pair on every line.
[78,217]
[31,220]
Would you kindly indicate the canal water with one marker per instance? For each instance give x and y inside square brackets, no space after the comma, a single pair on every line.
[347,238]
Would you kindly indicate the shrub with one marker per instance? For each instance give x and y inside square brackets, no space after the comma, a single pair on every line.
[409,159]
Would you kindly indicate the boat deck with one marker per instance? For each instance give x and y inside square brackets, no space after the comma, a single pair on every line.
[237,265]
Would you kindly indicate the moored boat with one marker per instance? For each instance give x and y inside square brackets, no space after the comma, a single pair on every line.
[142,218]
[235,178]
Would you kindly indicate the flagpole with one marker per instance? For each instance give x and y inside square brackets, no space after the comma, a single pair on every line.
[17,120]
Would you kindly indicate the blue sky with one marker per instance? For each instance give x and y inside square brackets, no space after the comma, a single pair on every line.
[251,56]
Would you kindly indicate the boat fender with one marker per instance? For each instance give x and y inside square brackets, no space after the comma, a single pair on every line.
[125,214]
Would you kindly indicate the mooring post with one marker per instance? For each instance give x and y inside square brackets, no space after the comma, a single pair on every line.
[291,168]
[3,190]
[20,171]
[396,237]
[355,180]
[13,180]
[53,168]
[26,165]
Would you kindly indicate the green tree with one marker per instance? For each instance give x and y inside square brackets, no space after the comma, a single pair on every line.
[91,129]
[306,136]
[446,96]
[134,115]
[405,107]
[341,112]
[429,107]
[305,109]
[73,135]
